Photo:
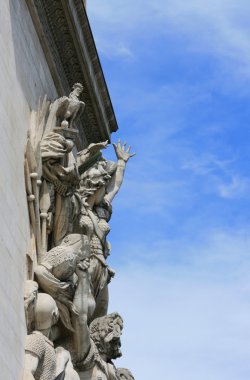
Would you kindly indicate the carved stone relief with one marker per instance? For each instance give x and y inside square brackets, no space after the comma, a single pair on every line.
[69,197]
[124,374]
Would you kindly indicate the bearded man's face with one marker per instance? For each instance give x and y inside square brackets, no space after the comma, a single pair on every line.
[112,348]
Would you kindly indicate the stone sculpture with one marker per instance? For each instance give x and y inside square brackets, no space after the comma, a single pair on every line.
[61,179]
[42,361]
[124,374]
[69,108]
[70,194]
[64,365]
[40,358]
[54,150]
[97,345]
[48,156]
[98,187]
[30,296]
[55,274]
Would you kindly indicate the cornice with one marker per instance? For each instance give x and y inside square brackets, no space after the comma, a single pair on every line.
[68,44]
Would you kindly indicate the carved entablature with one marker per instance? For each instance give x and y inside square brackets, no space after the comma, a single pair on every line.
[69,198]
[69,48]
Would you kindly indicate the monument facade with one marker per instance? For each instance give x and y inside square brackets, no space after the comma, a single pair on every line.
[56,197]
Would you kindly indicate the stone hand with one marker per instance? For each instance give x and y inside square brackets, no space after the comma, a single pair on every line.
[121,152]
[82,267]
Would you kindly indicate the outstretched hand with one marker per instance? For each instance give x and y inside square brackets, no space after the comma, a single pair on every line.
[121,152]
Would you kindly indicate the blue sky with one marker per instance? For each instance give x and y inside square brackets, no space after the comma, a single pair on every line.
[178,72]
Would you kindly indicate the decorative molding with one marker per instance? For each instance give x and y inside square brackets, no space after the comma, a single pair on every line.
[67,41]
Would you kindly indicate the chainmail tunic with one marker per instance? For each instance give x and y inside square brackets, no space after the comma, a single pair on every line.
[61,261]
[40,346]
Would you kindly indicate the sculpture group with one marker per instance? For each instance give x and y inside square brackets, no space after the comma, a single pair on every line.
[70,336]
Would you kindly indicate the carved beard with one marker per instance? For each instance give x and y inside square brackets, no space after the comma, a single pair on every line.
[112,349]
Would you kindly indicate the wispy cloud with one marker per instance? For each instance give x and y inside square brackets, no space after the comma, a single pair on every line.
[190,320]
[219,173]
[236,187]
[217,28]
[115,49]
[206,164]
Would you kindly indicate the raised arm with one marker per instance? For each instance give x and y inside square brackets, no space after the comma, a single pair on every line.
[123,156]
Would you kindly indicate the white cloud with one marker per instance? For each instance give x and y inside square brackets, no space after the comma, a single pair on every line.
[217,27]
[205,164]
[125,51]
[236,187]
[113,48]
[188,321]
[219,174]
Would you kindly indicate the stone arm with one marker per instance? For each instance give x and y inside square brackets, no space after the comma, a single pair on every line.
[82,342]
[64,367]
[59,290]
[115,183]
[30,366]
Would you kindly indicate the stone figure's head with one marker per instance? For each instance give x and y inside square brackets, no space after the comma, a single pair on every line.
[30,297]
[124,374]
[94,180]
[106,332]
[80,244]
[96,176]
[46,312]
[77,89]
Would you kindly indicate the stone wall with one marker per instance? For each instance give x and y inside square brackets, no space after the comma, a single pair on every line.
[24,77]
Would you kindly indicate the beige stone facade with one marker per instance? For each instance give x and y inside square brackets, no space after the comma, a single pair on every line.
[24,77]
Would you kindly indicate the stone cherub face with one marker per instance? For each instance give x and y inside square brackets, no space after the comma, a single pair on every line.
[106,332]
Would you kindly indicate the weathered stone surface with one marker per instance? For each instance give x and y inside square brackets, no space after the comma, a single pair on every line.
[124,374]
[24,76]
[74,271]
[42,361]
[40,357]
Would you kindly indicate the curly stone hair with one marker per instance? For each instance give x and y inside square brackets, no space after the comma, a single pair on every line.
[103,330]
